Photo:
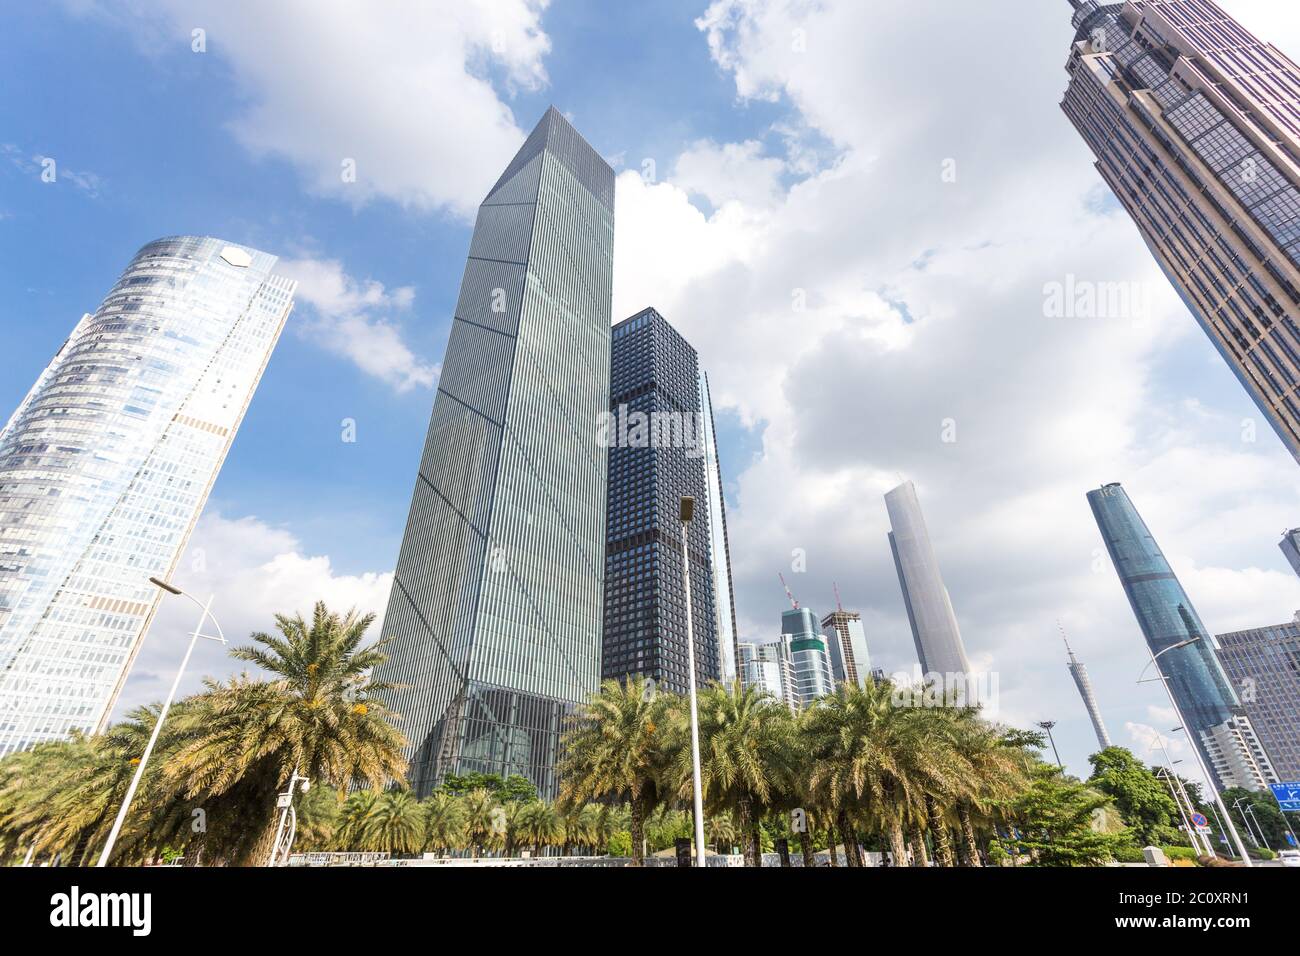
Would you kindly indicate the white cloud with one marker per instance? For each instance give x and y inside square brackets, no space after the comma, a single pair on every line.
[48,169]
[403,88]
[848,314]
[730,172]
[351,319]
[252,571]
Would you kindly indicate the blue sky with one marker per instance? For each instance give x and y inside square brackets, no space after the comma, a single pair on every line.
[151,128]
[797,150]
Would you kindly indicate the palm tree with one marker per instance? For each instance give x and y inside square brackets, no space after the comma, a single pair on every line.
[614,749]
[744,748]
[997,770]
[353,830]
[541,824]
[395,824]
[62,797]
[485,820]
[720,831]
[444,823]
[318,716]
[868,756]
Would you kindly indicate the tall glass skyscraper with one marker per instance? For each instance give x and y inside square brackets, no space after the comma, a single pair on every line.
[939,646]
[494,619]
[106,464]
[1195,123]
[656,455]
[724,590]
[1215,719]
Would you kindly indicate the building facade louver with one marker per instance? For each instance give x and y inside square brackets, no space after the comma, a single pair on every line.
[494,620]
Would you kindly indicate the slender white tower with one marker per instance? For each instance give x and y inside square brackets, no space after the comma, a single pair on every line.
[1080,675]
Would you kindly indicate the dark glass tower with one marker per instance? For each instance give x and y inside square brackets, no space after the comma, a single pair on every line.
[494,617]
[1216,721]
[656,455]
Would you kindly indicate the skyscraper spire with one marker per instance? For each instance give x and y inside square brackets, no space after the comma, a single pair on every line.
[1080,675]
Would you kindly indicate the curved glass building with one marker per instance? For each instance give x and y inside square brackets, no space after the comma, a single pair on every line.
[1215,719]
[106,464]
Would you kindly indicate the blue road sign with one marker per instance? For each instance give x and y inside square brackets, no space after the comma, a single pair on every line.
[1288,795]
[1290,839]
[1198,819]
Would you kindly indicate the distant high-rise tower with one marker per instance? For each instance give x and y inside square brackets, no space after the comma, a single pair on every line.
[766,668]
[847,642]
[656,455]
[810,661]
[724,591]
[1264,666]
[929,609]
[1290,545]
[1215,719]
[1080,675]
[495,614]
[106,465]
[1196,127]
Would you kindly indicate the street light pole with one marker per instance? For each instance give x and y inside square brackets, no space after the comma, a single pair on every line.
[284,835]
[162,714]
[1047,725]
[687,512]
[1196,750]
[1191,807]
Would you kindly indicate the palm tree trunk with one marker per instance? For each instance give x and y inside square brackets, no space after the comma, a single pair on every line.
[968,833]
[756,844]
[748,831]
[637,827]
[897,843]
[805,847]
[850,842]
[918,846]
[261,850]
[942,845]
[830,844]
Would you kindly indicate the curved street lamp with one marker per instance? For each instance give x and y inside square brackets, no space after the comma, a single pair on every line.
[1196,750]
[162,714]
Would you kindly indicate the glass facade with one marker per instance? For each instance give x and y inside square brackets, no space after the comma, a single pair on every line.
[939,646]
[1166,617]
[765,668]
[495,614]
[106,464]
[1263,664]
[1196,127]
[656,455]
[847,642]
[1290,545]
[728,632]
[810,661]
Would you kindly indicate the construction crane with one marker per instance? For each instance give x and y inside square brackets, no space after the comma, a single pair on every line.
[793,603]
[838,606]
